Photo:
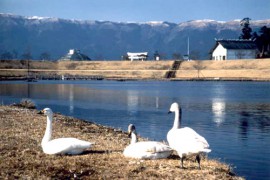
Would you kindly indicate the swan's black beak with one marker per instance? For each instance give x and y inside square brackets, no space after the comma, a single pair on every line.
[41,112]
[169,112]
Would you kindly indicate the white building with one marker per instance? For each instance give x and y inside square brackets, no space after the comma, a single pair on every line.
[74,55]
[137,56]
[234,49]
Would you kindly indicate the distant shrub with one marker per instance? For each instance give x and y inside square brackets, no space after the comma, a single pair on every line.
[23,62]
[26,103]
[71,66]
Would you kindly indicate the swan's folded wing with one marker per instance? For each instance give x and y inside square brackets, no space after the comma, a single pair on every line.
[66,146]
[147,150]
[194,135]
[156,147]
[187,141]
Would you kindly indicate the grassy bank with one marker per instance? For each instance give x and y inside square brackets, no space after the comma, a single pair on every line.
[21,156]
[257,69]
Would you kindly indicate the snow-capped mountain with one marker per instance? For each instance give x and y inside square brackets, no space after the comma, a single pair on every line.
[110,40]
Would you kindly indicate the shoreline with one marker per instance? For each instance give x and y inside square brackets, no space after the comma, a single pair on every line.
[207,70]
[22,130]
[100,78]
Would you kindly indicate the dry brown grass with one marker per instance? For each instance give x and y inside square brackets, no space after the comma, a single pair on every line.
[21,156]
[257,69]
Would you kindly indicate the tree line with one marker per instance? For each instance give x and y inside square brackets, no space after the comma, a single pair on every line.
[14,55]
[262,38]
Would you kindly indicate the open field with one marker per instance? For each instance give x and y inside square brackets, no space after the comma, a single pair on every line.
[257,69]
[21,156]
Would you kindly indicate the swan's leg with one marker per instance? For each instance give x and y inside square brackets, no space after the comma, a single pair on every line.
[198,158]
[182,160]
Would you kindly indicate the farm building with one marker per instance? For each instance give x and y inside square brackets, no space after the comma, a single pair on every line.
[137,56]
[74,55]
[234,49]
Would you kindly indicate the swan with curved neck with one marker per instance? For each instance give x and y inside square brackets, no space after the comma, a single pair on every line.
[185,140]
[145,149]
[61,145]
[132,134]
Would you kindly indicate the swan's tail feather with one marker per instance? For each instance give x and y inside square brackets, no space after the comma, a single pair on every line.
[206,150]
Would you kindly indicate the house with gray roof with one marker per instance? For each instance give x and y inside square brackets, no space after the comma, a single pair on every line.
[74,55]
[234,49]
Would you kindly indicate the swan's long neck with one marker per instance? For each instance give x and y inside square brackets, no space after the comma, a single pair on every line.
[133,138]
[177,119]
[48,132]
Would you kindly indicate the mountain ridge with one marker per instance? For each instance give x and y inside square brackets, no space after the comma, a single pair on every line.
[110,40]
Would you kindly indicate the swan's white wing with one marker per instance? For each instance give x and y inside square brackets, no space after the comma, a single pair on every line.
[187,141]
[66,146]
[198,138]
[147,150]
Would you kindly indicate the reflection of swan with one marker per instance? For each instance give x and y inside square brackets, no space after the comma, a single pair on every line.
[132,101]
[157,102]
[218,109]
[61,145]
[146,149]
[71,98]
[185,140]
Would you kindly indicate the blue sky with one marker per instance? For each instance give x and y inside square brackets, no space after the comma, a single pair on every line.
[140,10]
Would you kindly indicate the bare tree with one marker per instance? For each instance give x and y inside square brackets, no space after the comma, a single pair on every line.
[26,56]
[15,54]
[177,56]
[45,56]
[194,55]
[198,66]
[6,56]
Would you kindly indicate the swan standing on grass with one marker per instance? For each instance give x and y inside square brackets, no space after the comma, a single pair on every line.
[145,149]
[70,146]
[185,140]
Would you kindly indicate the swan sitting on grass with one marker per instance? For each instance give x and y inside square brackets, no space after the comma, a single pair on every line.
[145,149]
[70,146]
[185,140]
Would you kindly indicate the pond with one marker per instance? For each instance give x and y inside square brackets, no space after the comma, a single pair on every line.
[233,116]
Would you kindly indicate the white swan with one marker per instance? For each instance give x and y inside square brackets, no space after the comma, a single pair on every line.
[145,149]
[185,140]
[62,145]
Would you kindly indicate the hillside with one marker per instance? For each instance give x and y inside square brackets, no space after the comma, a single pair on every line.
[104,40]
[257,69]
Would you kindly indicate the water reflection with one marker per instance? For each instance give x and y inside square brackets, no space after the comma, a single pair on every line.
[218,109]
[240,112]
[71,99]
[244,124]
[255,117]
[218,103]
[132,101]
[157,102]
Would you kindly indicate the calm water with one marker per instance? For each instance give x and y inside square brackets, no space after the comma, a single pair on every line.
[233,116]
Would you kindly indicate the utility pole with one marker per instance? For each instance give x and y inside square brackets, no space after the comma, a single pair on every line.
[188,48]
